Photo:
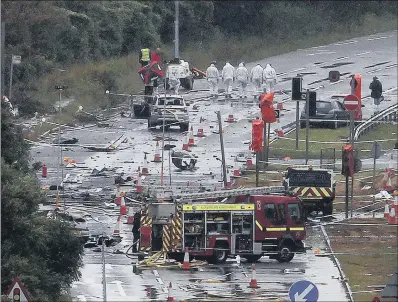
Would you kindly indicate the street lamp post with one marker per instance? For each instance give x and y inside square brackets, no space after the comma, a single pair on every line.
[60,88]
[14,60]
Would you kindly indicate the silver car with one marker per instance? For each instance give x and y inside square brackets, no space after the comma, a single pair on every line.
[172,110]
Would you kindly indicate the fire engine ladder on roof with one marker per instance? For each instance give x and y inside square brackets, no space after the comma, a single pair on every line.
[229,193]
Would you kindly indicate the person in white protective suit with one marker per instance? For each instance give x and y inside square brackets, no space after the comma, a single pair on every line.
[242,77]
[212,76]
[228,77]
[174,81]
[256,77]
[269,78]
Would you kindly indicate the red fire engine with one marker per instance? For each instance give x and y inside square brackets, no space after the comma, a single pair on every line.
[216,225]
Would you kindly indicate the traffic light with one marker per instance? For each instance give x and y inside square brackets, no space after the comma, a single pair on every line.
[257,135]
[347,161]
[312,103]
[16,295]
[296,88]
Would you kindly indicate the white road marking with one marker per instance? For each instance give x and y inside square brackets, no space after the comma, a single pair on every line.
[160,281]
[119,287]
[362,53]
[155,272]
[298,69]
[108,266]
[342,58]
[378,38]
[345,43]
[321,53]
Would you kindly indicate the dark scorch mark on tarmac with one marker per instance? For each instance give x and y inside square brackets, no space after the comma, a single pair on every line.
[337,64]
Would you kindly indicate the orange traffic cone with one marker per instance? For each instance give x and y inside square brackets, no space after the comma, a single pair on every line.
[123,208]
[200,132]
[157,158]
[386,211]
[249,160]
[388,184]
[191,140]
[253,280]
[393,219]
[185,264]
[230,118]
[145,170]
[138,187]
[236,170]
[279,106]
[170,297]
[130,219]
[280,130]
[229,184]
[185,146]
[116,231]
[395,204]
[117,198]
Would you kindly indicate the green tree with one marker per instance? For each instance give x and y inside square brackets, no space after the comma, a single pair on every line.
[42,252]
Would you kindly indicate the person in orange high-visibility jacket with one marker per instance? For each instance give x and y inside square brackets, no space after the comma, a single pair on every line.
[267,107]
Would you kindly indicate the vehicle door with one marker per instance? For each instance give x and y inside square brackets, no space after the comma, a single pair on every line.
[269,222]
[295,220]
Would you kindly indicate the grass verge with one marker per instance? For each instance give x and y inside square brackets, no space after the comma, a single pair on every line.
[374,266]
[329,139]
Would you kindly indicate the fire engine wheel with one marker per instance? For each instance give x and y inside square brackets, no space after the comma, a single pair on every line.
[284,255]
[253,258]
[220,254]
[327,208]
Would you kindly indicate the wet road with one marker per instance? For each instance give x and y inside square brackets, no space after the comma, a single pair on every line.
[228,281]
[369,56]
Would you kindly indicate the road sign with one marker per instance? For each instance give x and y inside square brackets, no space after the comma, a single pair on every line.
[17,292]
[303,291]
[277,113]
[376,150]
[16,59]
[351,102]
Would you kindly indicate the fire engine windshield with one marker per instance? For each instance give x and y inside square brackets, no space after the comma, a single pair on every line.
[294,211]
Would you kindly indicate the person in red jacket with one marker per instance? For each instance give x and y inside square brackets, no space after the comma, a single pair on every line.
[156,57]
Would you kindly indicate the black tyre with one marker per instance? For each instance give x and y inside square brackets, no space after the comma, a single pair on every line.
[284,253]
[150,125]
[253,258]
[335,123]
[327,208]
[184,127]
[220,254]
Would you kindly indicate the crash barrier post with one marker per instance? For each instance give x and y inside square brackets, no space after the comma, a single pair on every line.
[249,160]
[229,184]
[130,217]
[236,170]
[138,187]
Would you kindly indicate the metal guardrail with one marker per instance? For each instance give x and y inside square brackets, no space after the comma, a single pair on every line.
[388,115]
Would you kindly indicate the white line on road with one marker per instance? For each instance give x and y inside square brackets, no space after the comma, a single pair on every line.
[362,53]
[342,58]
[81,298]
[119,287]
[345,43]
[160,281]
[108,266]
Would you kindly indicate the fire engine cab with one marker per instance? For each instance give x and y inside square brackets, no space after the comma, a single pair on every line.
[219,224]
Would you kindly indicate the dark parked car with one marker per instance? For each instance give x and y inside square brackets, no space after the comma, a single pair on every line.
[330,113]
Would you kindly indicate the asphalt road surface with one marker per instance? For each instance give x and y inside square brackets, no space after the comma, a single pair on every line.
[369,56]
